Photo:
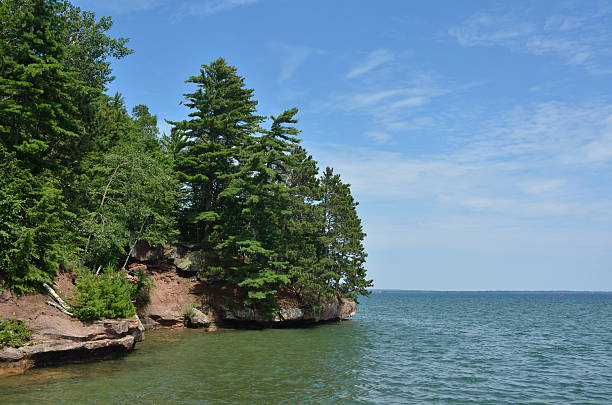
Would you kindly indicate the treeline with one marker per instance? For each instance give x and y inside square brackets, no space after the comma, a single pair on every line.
[82,180]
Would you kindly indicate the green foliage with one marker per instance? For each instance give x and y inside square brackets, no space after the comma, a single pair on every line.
[135,192]
[344,256]
[141,289]
[104,295]
[253,202]
[53,67]
[13,333]
[35,226]
[82,181]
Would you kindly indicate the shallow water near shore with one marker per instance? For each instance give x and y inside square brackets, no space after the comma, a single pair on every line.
[409,347]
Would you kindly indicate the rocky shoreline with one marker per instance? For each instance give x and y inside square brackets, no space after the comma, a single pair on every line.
[178,300]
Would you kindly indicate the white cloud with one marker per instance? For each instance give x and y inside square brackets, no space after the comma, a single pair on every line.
[541,186]
[600,149]
[363,100]
[410,102]
[374,59]
[292,57]
[210,7]
[394,109]
[379,137]
[579,40]
[573,51]
[563,22]
[502,170]
[485,29]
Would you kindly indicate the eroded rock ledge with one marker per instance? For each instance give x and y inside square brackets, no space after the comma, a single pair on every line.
[62,340]
[178,300]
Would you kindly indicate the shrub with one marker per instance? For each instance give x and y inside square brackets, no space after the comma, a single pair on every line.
[106,295]
[141,290]
[13,333]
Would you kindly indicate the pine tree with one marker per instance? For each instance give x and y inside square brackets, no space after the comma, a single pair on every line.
[261,192]
[343,252]
[222,119]
[45,101]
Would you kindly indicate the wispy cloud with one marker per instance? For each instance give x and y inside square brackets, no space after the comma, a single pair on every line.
[486,29]
[600,149]
[563,22]
[577,39]
[503,170]
[393,106]
[210,7]
[379,137]
[541,186]
[177,8]
[292,57]
[373,60]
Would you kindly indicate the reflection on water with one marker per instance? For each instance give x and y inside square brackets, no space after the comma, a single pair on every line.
[467,348]
[191,366]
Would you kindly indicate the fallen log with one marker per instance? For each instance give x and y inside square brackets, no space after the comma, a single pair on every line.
[55,296]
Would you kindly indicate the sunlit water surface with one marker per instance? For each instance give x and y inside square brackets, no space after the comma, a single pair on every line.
[401,348]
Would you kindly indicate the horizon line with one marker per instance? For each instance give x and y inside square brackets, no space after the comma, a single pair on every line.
[526,291]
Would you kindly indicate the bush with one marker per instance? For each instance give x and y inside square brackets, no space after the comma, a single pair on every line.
[106,295]
[141,290]
[13,333]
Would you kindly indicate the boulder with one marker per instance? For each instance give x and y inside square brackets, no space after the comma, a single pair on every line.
[198,319]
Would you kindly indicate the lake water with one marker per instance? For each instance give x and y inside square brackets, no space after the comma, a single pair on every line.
[401,348]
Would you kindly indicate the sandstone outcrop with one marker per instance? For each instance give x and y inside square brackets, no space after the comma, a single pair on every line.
[178,299]
[59,339]
[330,311]
[178,295]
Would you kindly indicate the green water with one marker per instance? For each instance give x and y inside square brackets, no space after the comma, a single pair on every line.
[470,348]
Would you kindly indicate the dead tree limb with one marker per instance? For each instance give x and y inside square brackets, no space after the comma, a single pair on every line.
[102,202]
[55,296]
[54,305]
[134,244]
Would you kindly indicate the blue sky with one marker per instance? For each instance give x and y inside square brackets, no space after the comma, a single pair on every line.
[477,136]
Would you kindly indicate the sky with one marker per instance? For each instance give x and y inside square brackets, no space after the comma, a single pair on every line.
[476,135]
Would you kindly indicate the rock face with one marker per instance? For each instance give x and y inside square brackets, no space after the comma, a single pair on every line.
[331,311]
[60,339]
[57,338]
[178,299]
[171,298]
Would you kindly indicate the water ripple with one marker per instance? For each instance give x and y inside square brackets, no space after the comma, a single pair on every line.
[447,348]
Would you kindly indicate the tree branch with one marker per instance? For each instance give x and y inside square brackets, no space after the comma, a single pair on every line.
[102,203]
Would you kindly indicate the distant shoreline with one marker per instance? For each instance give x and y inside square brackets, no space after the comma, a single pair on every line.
[383,290]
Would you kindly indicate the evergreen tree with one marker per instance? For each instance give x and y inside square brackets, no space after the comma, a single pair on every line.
[35,234]
[82,181]
[222,119]
[264,206]
[343,252]
[45,101]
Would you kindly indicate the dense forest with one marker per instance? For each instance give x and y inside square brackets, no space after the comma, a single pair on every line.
[82,180]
